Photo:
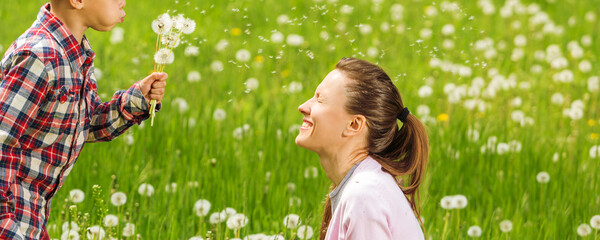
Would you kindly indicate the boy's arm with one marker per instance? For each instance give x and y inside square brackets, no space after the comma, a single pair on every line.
[22,90]
[128,107]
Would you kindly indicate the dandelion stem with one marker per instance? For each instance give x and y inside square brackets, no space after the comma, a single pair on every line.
[446,219]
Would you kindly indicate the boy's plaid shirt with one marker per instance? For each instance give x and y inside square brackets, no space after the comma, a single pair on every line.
[48,109]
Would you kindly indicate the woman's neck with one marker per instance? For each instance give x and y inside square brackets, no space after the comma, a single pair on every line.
[339,163]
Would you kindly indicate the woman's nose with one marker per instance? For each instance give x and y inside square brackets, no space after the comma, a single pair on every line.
[304,108]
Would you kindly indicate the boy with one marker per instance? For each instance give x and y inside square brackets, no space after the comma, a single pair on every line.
[49,108]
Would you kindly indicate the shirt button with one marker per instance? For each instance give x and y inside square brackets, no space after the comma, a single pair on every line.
[63,99]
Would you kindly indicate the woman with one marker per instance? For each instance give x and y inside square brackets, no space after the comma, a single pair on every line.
[352,124]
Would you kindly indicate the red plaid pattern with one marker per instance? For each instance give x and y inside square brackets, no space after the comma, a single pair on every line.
[49,109]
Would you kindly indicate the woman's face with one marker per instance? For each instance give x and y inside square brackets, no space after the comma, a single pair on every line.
[325,117]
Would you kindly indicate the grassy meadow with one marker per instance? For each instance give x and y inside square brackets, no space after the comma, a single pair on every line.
[508,91]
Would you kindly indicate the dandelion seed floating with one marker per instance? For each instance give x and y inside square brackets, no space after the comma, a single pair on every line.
[169,30]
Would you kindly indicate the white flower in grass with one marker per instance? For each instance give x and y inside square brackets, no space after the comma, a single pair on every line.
[146,190]
[251,83]
[164,56]
[294,87]
[69,235]
[217,217]
[448,30]
[178,21]
[191,51]
[595,151]
[311,172]
[595,222]
[425,33]
[188,26]
[447,202]
[295,201]
[194,76]
[258,236]
[372,52]
[277,37]
[171,187]
[295,40]
[97,73]
[474,231]
[229,212]
[584,230]
[425,91]
[95,232]
[305,232]
[517,115]
[116,35]
[558,99]
[70,226]
[118,199]
[515,146]
[283,19]
[459,201]
[423,110]
[76,196]
[128,230]
[543,177]
[129,139]
[181,104]
[243,55]
[110,220]
[346,9]
[473,135]
[238,133]
[201,207]
[171,41]
[192,122]
[163,24]
[196,238]
[219,114]
[593,84]
[585,66]
[222,45]
[291,221]
[506,226]
[237,221]
[502,148]
[365,29]
[275,237]
[216,66]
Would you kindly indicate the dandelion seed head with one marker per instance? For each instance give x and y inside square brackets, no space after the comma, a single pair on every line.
[128,230]
[291,221]
[164,56]
[474,231]
[191,51]
[194,76]
[110,220]
[237,221]
[506,226]
[243,55]
[584,229]
[595,222]
[95,232]
[146,190]
[201,207]
[219,114]
[305,232]
[543,177]
[76,196]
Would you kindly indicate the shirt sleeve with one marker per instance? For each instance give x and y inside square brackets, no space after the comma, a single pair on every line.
[364,218]
[111,119]
[22,90]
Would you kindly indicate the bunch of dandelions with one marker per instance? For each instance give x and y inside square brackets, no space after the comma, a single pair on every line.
[169,30]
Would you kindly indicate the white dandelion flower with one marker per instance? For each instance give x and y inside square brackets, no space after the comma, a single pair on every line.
[129,139]
[593,84]
[595,222]
[448,44]
[277,37]
[194,76]
[365,29]
[294,87]
[69,235]
[178,21]
[506,226]
[372,52]
[473,135]
[517,115]
[95,232]
[447,202]
[181,104]
[258,236]
[217,217]
[188,26]
[97,73]
[146,190]
[222,45]
[237,221]
[423,110]
[543,177]
[557,99]
[251,84]
[243,55]
[110,220]
[196,238]
[586,40]
[520,40]
[171,41]
[585,66]
[595,151]
[118,199]
[514,145]
[191,51]
[502,148]
[346,9]
[291,187]
[70,226]
[201,207]
[459,201]
[291,221]
[474,231]
[295,201]
[171,187]
[584,230]
[295,40]
[76,196]
[216,66]
[448,30]
[311,172]
[324,35]
[305,232]
[164,56]
[283,19]
[425,91]
[192,122]
[229,212]
[238,133]
[425,33]
[219,114]
[116,35]
[128,230]
[163,24]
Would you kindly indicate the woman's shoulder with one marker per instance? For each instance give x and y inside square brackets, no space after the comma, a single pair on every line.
[369,181]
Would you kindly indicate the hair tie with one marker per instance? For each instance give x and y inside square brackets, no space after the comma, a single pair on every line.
[403,114]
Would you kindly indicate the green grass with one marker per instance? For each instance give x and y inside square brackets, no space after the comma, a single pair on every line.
[497,187]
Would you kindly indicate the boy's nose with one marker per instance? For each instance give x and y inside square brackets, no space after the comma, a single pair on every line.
[123,3]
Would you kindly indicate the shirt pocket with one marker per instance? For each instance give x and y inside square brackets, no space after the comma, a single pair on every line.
[56,117]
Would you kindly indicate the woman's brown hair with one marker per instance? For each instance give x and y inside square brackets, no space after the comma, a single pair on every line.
[402,151]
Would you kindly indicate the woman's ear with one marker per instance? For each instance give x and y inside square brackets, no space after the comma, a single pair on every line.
[356,126]
[77,4]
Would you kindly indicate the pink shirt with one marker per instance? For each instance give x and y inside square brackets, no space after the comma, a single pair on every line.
[368,204]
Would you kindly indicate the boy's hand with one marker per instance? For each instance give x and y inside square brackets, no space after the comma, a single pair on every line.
[153,86]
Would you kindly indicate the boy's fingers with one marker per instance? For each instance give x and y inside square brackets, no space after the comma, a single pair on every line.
[159,84]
